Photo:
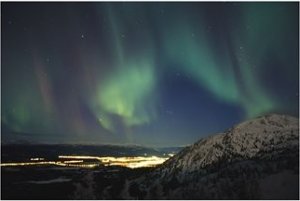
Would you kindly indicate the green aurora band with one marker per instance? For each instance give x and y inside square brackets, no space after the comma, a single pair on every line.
[125,91]
[186,42]
[129,90]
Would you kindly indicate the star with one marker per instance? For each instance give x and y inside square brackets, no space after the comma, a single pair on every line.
[122,71]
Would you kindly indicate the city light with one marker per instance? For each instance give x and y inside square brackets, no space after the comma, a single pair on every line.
[81,161]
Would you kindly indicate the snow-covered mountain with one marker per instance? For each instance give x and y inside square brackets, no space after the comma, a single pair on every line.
[257,159]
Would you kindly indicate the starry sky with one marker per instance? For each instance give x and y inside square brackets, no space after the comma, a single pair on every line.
[148,73]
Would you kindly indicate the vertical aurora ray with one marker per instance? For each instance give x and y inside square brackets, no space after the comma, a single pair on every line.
[122,75]
[262,35]
[125,92]
[229,73]
[33,109]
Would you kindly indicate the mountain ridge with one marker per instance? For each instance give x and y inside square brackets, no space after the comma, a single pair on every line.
[234,164]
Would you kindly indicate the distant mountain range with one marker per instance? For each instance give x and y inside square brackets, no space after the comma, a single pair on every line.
[25,151]
[257,159]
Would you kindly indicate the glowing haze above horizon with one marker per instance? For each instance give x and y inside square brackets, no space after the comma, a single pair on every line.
[155,74]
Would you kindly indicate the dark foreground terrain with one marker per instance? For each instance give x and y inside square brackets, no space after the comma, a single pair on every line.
[257,159]
[65,183]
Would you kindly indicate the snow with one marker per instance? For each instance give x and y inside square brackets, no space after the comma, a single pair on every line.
[245,140]
[243,157]
[57,180]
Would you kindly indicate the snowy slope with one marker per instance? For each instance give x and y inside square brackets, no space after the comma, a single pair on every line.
[236,164]
[246,140]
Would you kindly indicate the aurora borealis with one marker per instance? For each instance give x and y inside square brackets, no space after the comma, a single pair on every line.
[158,74]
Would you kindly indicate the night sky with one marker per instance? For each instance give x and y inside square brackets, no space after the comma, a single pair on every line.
[155,74]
